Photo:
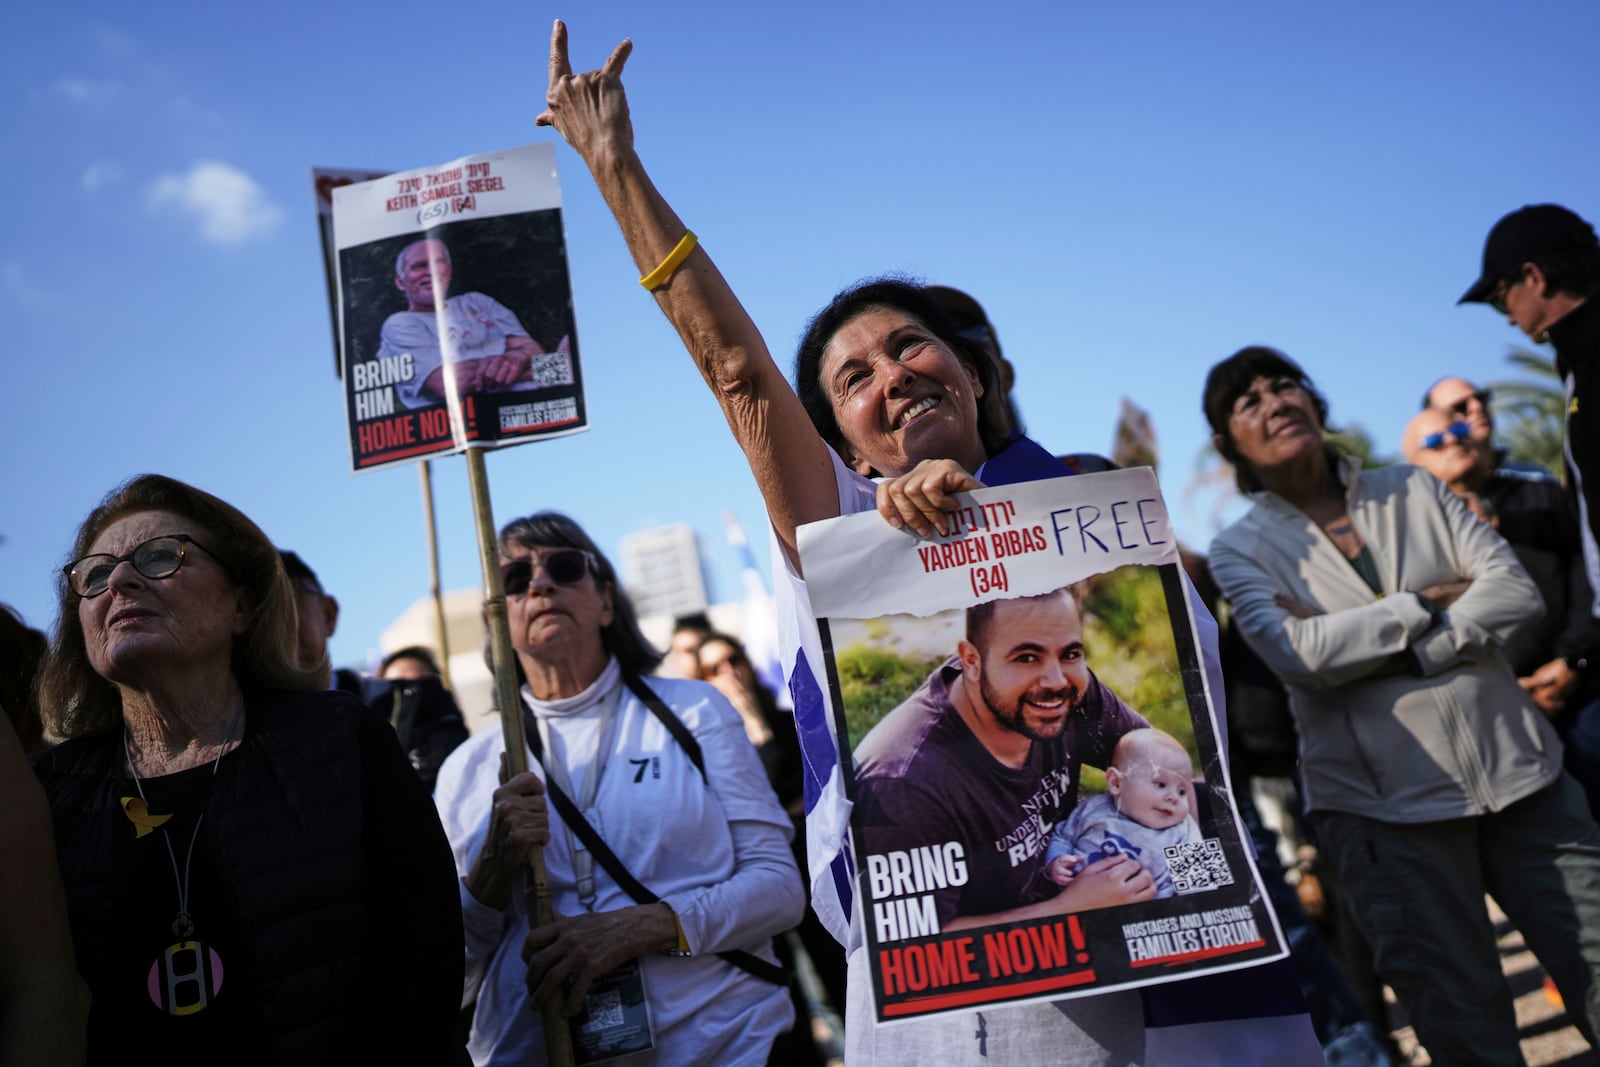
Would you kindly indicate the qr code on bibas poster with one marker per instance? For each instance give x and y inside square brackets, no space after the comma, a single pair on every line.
[1198,866]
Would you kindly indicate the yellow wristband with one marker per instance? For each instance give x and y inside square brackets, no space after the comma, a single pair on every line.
[682,947]
[669,266]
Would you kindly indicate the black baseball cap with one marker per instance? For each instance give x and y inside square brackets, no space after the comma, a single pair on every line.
[1521,237]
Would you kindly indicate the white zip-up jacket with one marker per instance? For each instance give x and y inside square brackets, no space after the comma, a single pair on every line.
[1452,737]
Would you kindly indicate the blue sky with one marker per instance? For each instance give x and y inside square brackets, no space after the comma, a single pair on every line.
[1133,191]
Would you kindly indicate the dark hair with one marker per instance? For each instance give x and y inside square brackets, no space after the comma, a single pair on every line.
[1572,268]
[740,654]
[299,570]
[980,617]
[420,653]
[622,637]
[1231,379]
[696,621]
[22,650]
[898,294]
[75,701]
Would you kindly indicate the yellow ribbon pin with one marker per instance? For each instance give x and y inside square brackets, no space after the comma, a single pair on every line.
[140,816]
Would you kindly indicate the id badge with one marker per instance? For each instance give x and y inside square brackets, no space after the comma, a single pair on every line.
[615,1017]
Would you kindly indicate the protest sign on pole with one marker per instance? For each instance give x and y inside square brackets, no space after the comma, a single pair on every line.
[456,321]
[456,333]
[1023,717]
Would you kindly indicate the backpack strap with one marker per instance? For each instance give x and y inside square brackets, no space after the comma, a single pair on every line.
[658,707]
[748,962]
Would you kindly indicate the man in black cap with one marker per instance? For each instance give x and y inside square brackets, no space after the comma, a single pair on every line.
[1541,269]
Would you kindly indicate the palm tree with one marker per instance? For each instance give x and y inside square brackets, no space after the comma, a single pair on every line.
[1530,415]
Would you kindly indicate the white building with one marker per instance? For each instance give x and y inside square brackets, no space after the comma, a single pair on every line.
[662,570]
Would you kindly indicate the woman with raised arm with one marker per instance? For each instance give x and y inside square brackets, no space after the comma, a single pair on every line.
[887,390]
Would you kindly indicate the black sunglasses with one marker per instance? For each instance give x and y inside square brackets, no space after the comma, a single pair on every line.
[1482,396]
[565,566]
[1497,295]
[159,557]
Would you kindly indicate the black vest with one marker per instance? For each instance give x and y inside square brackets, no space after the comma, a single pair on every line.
[285,822]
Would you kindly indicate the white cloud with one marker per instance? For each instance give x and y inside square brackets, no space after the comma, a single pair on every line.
[230,207]
[88,92]
[101,173]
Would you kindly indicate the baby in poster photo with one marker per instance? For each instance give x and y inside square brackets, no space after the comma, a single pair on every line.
[1148,805]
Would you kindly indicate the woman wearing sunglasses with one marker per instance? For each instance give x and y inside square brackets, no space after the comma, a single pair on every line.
[254,873]
[666,850]
[1383,605]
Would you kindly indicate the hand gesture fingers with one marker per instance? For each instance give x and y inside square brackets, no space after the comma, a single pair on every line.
[560,68]
[560,65]
[587,109]
[615,61]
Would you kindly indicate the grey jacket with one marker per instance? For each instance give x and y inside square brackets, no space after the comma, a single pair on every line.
[1452,737]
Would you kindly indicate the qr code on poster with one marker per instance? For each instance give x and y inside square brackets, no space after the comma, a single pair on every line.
[1197,866]
[605,1011]
[551,368]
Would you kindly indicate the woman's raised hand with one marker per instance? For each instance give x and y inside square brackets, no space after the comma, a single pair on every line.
[590,110]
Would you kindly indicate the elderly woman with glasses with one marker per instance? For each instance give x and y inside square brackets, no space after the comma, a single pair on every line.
[666,850]
[253,872]
[1432,779]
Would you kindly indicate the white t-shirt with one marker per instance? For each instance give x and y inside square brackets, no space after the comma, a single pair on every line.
[475,326]
[675,836]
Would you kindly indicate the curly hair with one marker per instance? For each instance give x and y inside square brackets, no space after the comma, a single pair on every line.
[76,701]
[1231,379]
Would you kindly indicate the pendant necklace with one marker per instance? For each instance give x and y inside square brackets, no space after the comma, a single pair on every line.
[188,974]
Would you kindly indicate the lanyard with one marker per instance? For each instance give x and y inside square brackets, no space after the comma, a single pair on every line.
[556,769]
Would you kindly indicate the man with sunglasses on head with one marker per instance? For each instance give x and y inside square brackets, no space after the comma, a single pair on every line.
[1535,515]
[424,715]
[1541,270]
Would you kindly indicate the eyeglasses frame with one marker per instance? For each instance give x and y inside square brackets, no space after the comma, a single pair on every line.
[184,541]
